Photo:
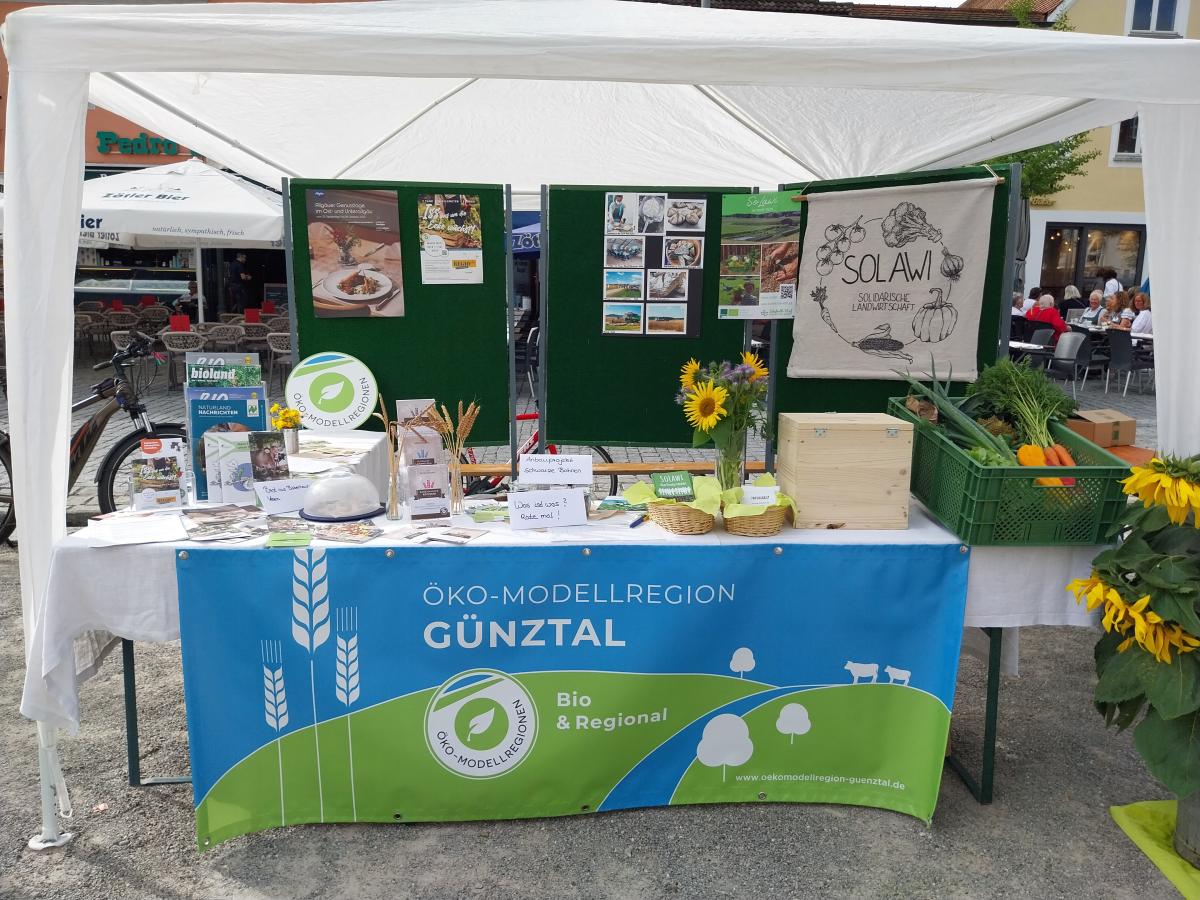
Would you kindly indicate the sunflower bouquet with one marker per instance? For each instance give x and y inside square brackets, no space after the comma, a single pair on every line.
[1148,588]
[722,402]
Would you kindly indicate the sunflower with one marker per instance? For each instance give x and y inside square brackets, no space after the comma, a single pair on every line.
[687,374]
[752,360]
[1167,482]
[704,405]
[1150,632]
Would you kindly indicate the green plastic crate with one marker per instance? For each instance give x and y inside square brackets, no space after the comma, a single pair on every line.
[1001,505]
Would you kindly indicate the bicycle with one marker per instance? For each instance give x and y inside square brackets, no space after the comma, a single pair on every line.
[113,478]
[495,484]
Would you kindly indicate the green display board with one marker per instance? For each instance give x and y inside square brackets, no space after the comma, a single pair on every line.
[612,388]
[870,395]
[450,342]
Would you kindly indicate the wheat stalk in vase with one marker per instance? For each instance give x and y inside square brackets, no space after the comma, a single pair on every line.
[310,627]
[275,702]
[346,682]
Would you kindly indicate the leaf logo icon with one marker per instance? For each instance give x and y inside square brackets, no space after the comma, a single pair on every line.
[481,723]
[332,390]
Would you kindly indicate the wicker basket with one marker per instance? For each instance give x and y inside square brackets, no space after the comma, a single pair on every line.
[678,518]
[766,523]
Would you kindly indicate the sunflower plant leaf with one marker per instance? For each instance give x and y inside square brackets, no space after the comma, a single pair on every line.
[1123,676]
[1179,539]
[1175,607]
[1134,552]
[1171,749]
[1173,688]
[1127,711]
[700,438]
[1171,573]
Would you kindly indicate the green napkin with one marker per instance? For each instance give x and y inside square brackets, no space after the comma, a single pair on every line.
[289,539]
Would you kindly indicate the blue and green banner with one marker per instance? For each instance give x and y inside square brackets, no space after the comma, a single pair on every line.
[441,684]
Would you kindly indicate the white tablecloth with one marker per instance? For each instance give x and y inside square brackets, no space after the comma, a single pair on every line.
[131,591]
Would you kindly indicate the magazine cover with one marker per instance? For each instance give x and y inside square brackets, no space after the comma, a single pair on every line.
[235,478]
[206,374]
[221,411]
[158,473]
[268,456]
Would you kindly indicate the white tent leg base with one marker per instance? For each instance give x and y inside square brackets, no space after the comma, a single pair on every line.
[54,793]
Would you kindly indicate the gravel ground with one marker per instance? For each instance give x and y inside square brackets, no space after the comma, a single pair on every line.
[1048,835]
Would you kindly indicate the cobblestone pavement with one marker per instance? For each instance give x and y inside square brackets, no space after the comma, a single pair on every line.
[167,406]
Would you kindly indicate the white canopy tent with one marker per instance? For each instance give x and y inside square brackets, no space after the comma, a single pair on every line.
[543,91]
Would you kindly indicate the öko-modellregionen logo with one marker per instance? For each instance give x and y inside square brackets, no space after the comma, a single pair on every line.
[480,724]
[332,391]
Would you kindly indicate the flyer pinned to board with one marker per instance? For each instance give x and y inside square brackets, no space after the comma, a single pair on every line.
[451,239]
[760,255]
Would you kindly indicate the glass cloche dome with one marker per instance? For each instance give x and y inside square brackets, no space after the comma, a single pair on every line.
[341,496]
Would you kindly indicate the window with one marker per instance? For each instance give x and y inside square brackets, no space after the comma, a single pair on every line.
[1126,142]
[1074,253]
[1159,18]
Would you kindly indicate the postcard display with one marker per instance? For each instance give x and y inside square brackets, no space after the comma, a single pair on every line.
[653,263]
[409,278]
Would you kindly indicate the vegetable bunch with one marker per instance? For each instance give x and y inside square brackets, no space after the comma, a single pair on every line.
[959,425]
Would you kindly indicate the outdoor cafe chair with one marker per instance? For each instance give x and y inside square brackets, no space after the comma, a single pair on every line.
[1072,355]
[120,339]
[254,336]
[154,317]
[83,320]
[232,318]
[122,320]
[100,329]
[279,345]
[224,337]
[1123,359]
[179,343]
[89,306]
[279,323]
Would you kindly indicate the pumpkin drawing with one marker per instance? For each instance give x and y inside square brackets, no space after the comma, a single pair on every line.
[935,320]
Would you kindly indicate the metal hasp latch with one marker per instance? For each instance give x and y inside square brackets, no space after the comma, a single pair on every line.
[893,432]
[819,432]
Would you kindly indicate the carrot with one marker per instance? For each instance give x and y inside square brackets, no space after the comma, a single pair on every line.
[1065,459]
[1051,456]
[1064,455]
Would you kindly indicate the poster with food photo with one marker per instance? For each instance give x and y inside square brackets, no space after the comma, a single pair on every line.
[451,234]
[354,253]
[760,255]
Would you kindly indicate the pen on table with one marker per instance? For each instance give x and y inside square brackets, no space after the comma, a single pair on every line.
[638,521]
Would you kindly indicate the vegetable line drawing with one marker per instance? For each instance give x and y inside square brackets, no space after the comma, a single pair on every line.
[346,684]
[934,322]
[274,702]
[310,627]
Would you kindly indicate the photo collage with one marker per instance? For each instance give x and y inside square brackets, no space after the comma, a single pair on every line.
[653,263]
[760,255]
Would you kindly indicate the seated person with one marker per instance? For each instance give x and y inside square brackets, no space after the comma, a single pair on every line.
[1071,300]
[1046,313]
[186,303]
[1018,304]
[1091,315]
[1125,313]
[1031,301]
[1112,311]
[1142,322]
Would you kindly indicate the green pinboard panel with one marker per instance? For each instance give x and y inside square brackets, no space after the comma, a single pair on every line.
[618,389]
[871,395]
[451,343]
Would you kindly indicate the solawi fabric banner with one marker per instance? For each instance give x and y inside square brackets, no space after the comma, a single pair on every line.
[892,279]
[549,682]
[760,255]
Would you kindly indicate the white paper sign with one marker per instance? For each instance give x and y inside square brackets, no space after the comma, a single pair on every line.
[546,509]
[552,468]
[284,495]
[759,496]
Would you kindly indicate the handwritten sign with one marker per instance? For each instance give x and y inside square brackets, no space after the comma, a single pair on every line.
[284,495]
[759,496]
[546,509]
[553,468]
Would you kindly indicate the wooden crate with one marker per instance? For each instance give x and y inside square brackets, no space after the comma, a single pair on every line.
[850,470]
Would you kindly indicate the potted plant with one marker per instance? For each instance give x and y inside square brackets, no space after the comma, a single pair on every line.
[722,402]
[1149,590]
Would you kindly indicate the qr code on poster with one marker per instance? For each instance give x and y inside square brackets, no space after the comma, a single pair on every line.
[787,292]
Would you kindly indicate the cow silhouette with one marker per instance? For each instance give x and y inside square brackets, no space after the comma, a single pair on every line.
[897,676]
[863,670]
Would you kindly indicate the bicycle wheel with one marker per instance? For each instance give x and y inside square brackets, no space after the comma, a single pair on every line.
[8,509]
[114,484]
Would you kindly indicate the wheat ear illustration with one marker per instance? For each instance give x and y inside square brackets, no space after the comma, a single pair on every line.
[346,682]
[310,627]
[275,702]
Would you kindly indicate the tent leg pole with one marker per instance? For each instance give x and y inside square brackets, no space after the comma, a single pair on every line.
[199,261]
[981,790]
[51,783]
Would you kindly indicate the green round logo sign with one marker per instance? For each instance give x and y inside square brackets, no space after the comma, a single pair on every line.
[480,724]
[332,391]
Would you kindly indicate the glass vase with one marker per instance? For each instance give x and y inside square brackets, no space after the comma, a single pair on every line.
[291,441]
[731,461]
[454,466]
